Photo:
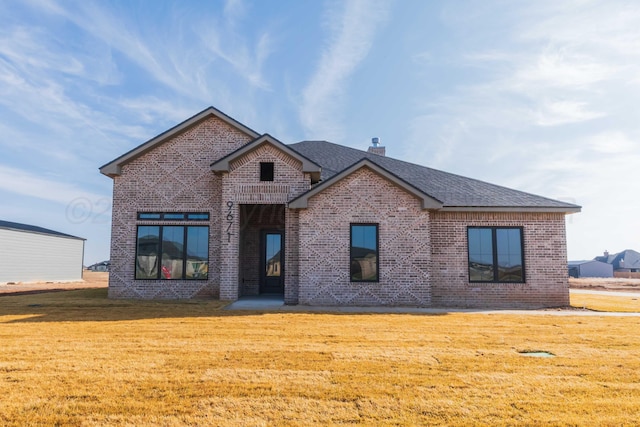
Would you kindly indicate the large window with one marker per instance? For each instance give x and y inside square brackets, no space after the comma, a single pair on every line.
[495,254]
[172,252]
[364,252]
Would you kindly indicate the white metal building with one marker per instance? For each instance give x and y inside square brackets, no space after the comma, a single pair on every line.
[590,268]
[33,254]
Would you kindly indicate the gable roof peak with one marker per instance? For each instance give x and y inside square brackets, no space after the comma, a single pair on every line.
[427,201]
[114,167]
[308,166]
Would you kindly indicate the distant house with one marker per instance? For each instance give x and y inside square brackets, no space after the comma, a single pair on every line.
[627,261]
[100,266]
[590,268]
[34,254]
[212,208]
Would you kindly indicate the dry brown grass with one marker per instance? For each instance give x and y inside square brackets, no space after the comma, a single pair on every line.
[76,358]
[612,303]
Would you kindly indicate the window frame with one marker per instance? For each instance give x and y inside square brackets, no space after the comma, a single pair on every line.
[351,257]
[494,249]
[174,216]
[160,251]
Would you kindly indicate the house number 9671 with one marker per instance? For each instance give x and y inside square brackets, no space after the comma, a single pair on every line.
[229,220]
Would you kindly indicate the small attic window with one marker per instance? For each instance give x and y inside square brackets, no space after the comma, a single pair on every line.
[266,171]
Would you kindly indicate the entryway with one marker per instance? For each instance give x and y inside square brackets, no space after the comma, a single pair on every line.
[261,257]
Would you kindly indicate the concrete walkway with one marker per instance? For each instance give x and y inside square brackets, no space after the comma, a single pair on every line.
[261,302]
[275,304]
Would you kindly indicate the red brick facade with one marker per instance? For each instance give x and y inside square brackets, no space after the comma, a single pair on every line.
[422,255]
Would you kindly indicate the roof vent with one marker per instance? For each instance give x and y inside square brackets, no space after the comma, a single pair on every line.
[376,148]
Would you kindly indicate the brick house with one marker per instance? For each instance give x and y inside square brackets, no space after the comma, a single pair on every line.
[211,208]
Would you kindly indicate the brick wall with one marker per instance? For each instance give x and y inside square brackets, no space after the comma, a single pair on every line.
[626,275]
[422,254]
[545,257]
[242,185]
[324,239]
[173,177]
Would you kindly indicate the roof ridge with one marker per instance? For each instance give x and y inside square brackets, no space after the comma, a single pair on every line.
[475,196]
[34,229]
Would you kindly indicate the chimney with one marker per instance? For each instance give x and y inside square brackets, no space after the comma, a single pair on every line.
[376,148]
[606,253]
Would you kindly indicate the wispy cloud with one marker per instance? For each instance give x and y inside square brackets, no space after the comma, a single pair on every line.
[562,112]
[23,183]
[352,30]
[554,67]
[243,60]
[546,106]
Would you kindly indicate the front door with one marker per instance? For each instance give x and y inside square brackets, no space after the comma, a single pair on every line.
[272,262]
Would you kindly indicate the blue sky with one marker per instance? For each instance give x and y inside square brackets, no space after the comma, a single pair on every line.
[541,96]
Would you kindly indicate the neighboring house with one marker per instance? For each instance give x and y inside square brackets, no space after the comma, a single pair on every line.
[627,261]
[590,268]
[100,266]
[35,254]
[203,209]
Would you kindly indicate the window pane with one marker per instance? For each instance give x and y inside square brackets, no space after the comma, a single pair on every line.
[174,216]
[272,254]
[509,248]
[148,215]
[364,253]
[172,252]
[198,216]
[148,243]
[197,253]
[480,254]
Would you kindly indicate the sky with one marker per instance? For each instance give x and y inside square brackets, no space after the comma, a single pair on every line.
[540,96]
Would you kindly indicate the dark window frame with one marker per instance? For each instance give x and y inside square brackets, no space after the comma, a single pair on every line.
[167,216]
[267,171]
[185,254]
[351,255]
[494,243]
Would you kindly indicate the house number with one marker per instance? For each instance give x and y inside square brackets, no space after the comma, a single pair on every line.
[229,220]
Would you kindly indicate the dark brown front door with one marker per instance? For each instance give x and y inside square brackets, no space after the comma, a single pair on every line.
[272,262]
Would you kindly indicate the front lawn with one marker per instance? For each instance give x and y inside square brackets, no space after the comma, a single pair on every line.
[76,358]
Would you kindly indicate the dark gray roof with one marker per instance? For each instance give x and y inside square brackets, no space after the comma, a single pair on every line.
[454,191]
[34,229]
[625,259]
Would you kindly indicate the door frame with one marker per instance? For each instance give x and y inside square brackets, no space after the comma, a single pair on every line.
[263,287]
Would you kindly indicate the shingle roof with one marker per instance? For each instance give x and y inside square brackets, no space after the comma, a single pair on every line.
[454,191]
[629,258]
[34,229]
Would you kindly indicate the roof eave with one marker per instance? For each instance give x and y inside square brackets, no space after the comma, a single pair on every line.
[114,168]
[308,166]
[527,209]
[427,202]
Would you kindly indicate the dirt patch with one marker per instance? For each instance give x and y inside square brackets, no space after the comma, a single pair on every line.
[605,284]
[91,279]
